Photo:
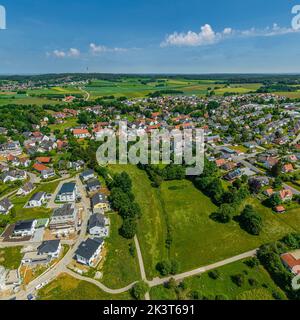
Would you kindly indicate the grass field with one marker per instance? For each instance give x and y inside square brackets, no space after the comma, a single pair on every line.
[120,268]
[66,287]
[69,123]
[197,239]
[10,258]
[138,87]
[32,213]
[263,288]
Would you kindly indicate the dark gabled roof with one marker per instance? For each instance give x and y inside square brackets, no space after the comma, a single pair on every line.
[5,203]
[24,225]
[97,220]
[66,210]
[67,188]
[48,246]
[87,248]
[87,173]
[37,196]
[93,183]
[99,198]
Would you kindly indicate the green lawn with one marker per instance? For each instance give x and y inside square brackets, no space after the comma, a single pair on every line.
[10,258]
[208,287]
[66,287]
[197,239]
[120,267]
[32,213]
[152,226]
[69,123]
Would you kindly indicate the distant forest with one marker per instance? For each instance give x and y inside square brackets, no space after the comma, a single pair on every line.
[266,79]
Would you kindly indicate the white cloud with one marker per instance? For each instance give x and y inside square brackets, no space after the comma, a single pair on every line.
[72,52]
[207,36]
[98,49]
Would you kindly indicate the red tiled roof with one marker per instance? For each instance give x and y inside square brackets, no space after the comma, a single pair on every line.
[40,167]
[80,131]
[44,159]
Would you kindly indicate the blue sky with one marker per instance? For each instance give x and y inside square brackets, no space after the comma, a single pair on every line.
[153,36]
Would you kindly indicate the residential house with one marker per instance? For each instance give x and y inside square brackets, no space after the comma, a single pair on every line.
[93,185]
[47,173]
[98,225]
[88,251]
[64,219]
[220,162]
[81,133]
[100,203]
[291,261]
[52,248]
[287,168]
[13,175]
[24,228]
[5,206]
[37,200]
[286,195]
[87,175]
[68,192]
[268,192]
[26,189]
[233,175]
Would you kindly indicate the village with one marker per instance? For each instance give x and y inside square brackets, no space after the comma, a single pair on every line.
[249,138]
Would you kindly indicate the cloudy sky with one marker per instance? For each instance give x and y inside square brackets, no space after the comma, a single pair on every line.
[149,36]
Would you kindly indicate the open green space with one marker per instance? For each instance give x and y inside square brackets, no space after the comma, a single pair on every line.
[262,288]
[10,258]
[120,268]
[22,213]
[66,287]
[197,240]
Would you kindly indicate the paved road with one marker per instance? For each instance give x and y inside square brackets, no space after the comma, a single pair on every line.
[60,267]
[159,281]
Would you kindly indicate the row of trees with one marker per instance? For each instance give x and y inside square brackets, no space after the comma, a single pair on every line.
[269,256]
[123,201]
[157,175]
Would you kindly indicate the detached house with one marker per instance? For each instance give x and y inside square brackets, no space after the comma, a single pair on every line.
[37,200]
[287,168]
[98,225]
[13,175]
[100,203]
[87,175]
[24,228]
[88,251]
[5,206]
[26,189]
[286,195]
[51,248]
[68,192]
[81,133]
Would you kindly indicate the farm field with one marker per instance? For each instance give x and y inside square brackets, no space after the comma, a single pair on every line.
[66,287]
[206,287]
[196,238]
[140,87]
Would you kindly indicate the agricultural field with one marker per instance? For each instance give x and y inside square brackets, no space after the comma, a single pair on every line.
[66,287]
[134,87]
[183,210]
[256,285]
